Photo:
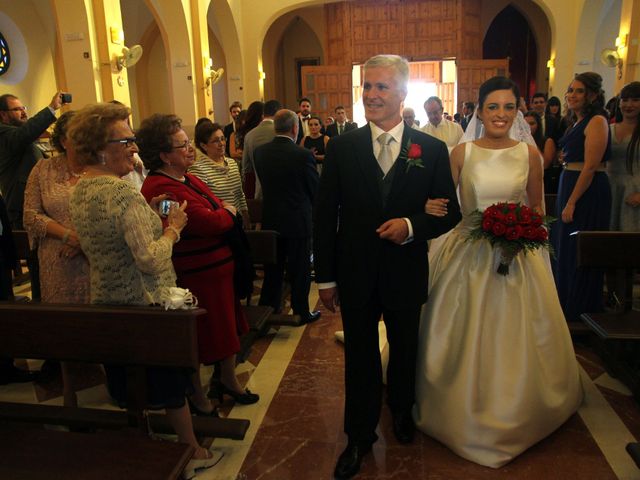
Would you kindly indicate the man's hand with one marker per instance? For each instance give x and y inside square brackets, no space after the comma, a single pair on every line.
[329,298]
[394,230]
[56,101]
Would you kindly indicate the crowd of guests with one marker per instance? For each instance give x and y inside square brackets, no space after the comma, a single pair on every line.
[99,237]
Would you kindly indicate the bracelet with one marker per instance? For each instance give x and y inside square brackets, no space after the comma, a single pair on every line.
[174,230]
[65,237]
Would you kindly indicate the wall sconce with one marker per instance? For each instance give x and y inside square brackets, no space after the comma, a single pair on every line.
[551,63]
[117,35]
[262,75]
[621,41]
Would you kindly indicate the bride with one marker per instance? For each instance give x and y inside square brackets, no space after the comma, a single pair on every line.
[496,368]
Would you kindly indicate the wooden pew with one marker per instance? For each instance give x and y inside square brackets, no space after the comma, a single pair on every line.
[619,330]
[135,337]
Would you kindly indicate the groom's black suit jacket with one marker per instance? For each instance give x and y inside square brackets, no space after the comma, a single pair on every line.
[350,207]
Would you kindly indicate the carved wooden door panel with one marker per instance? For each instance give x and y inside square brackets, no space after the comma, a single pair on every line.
[327,87]
[473,73]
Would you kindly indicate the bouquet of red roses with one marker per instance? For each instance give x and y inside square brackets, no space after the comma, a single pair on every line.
[512,228]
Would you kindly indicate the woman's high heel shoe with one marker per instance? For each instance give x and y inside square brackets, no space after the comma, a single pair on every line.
[219,389]
[200,464]
[201,413]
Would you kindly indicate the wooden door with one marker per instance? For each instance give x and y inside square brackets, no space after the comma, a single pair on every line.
[327,87]
[473,73]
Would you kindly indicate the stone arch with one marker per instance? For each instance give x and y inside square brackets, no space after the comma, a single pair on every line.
[280,49]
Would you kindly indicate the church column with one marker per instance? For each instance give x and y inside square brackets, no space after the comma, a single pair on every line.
[200,35]
[629,43]
[76,59]
[109,38]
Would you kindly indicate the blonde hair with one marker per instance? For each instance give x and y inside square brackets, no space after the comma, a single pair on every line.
[392,61]
[90,128]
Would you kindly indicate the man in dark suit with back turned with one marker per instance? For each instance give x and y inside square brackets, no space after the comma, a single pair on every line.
[370,244]
[289,180]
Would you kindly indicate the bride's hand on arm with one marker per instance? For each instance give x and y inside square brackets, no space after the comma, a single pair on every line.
[436,207]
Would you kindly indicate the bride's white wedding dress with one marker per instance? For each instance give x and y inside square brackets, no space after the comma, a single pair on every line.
[496,367]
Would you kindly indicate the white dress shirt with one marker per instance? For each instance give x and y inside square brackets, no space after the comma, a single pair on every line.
[447,131]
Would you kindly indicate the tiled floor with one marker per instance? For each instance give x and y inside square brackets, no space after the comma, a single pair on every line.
[296,428]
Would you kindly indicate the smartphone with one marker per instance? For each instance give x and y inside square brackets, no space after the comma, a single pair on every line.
[165,206]
[65,97]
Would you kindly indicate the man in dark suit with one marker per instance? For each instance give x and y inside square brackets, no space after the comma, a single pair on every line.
[467,113]
[370,247]
[289,180]
[234,110]
[18,155]
[342,124]
[549,122]
[304,115]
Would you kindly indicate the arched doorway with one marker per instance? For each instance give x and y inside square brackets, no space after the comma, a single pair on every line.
[510,36]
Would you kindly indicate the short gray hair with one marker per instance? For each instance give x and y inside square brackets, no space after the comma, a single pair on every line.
[284,120]
[392,61]
[433,99]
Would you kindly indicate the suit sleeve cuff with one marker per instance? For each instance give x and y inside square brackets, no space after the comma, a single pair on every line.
[409,238]
[325,285]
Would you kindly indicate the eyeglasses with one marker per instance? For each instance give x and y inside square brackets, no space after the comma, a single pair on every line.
[185,145]
[128,141]
[217,140]
[16,109]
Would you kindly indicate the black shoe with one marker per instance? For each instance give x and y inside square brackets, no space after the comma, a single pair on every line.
[403,427]
[349,461]
[219,389]
[201,413]
[16,375]
[312,317]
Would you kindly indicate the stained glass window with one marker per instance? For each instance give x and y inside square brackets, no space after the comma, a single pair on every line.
[5,56]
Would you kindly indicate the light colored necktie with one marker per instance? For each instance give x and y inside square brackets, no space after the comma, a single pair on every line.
[339,129]
[385,160]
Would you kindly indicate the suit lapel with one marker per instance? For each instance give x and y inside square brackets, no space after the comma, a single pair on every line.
[400,175]
[368,162]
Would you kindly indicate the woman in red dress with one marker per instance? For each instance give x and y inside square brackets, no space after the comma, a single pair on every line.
[202,258]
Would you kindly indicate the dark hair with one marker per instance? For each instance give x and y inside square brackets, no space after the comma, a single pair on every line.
[339,107]
[271,107]
[254,116]
[202,120]
[592,82]
[203,133]
[497,83]
[4,104]
[154,137]
[304,99]
[234,105]
[470,105]
[632,90]
[60,130]
[539,94]
[537,137]
[554,102]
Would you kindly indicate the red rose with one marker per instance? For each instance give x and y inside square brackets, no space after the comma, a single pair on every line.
[525,218]
[512,206]
[519,231]
[536,220]
[542,234]
[525,210]
[511,234]
[415,151]
[498,229]
[529,233]
[487,223]
[499,217]
[510,218]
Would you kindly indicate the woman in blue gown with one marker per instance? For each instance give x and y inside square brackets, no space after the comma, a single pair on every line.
[584,194]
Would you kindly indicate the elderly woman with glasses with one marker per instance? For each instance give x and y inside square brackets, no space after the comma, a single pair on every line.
[221,174]
[202,259]
[128,249]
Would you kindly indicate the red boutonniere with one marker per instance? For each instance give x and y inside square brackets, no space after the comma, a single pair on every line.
[412,154]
